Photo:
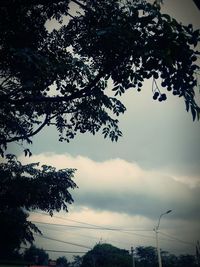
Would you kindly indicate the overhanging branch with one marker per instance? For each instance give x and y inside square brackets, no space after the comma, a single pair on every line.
[17,138]
[197,3]
[58,99]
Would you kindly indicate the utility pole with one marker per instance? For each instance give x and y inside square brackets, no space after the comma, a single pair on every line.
[133,259]
[157,243]
[198,254]
[158,248]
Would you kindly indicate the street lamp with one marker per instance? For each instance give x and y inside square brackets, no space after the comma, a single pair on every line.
[156,232]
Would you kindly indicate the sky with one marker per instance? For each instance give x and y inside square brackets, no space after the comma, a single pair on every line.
[124,187]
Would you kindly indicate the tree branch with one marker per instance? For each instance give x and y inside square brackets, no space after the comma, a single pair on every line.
[58,99]
[17,138]
[80,4]
[6,3]
[197,3]
[4,81]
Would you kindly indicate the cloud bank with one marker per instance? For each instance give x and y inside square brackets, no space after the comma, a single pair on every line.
[124,187]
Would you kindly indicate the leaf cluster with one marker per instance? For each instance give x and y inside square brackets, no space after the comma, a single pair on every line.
[25,188]
[60,77]
[30,187]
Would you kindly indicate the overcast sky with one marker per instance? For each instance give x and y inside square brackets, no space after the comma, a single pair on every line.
[154,167]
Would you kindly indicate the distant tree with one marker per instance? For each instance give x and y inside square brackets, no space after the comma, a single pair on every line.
[187,260]
[36,255]
[77,261]
[106,255]
[169,260]
[62,262]
[146,256]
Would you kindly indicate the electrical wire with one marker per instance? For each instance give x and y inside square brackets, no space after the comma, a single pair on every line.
[100,228]
[93,225]
[96,227]
[61,251]
[177,239]
[62,241]
[87,236]
[66,219]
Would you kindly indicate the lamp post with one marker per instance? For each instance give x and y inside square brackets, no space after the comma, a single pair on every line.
[157,243]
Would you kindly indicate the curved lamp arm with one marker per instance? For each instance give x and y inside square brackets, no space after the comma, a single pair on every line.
[160,218]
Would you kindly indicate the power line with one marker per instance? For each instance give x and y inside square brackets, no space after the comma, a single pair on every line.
[66,219]
[96,228]
[93,225]
[177,239]
[84,246]
[62,241]
[88,236]
[100,228]
[75,226]
[61,251]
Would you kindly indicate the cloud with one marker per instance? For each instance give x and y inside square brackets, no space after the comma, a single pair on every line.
[120,186]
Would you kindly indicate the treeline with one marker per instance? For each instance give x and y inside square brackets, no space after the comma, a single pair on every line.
[106,255]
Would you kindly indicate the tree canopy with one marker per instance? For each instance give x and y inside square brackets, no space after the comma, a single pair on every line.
[62,262]
[106,255]
[36,256]
[146,256]
[124,41]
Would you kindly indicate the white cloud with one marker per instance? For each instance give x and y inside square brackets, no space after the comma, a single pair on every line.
[124,187]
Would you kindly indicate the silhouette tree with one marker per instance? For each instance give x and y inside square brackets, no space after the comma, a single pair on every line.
[187,260]
[126,42]
[105,255]
[36,256]
[146,256]
[62,262]
[77,261]
[25,188]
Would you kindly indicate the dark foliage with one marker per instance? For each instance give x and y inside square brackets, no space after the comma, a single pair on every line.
[62,262]
[146,256]
[106,255]
[25,188]
[14,230]
[126,43]
[32,188]
[36,256]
